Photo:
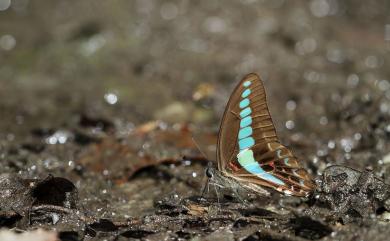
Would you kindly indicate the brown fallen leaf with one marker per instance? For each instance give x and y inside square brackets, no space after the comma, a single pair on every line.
[197,210]
[148,145]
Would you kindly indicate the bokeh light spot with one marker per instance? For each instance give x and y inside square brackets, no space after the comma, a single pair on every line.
[4,4]
[7,42]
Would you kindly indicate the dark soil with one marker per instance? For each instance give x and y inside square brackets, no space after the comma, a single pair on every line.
[101,101]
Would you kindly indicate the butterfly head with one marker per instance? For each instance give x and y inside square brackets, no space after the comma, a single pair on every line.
[210,172]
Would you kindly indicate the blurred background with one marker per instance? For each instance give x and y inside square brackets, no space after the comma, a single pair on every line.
[325,64]
[178,60]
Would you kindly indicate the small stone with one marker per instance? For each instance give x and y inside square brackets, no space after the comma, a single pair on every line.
[386,159]
[385,216]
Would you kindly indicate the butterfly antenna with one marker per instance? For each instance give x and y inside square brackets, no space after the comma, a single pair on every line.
[199,149]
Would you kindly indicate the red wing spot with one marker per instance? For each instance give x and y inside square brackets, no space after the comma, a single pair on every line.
[234,166]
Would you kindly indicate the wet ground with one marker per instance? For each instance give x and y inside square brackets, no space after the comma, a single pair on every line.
[100,101]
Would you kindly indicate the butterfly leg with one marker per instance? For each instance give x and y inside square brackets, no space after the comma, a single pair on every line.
[216,192]
[239,197]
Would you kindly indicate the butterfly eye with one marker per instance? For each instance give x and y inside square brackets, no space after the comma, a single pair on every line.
[209,172]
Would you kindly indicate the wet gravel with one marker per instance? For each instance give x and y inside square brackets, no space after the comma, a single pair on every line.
[101,100]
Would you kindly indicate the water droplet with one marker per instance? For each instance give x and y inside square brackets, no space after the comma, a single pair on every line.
[291,105]
[331,144]
[384,107]
[290,124]
[215,25]
[357,136]
[352,80]
[93,44]
[372,61]
[319,8]
[322,153]
[50,163]
[111,98]
[7,42]
[4,4]
[312,76]
[347,144]
[384,85]
[323,120]
[146,146]
[59,137]
[335,55]
[386,159]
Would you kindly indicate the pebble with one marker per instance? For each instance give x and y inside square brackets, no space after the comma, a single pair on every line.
[386,159]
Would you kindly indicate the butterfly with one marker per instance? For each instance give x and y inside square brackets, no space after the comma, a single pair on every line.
[249,152]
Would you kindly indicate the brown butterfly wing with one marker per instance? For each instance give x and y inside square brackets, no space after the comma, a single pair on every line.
[227,148]
[276,160]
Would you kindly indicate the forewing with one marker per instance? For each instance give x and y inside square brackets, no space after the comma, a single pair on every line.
[227,147]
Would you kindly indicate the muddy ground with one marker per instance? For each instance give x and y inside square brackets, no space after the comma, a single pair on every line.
[100,101]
